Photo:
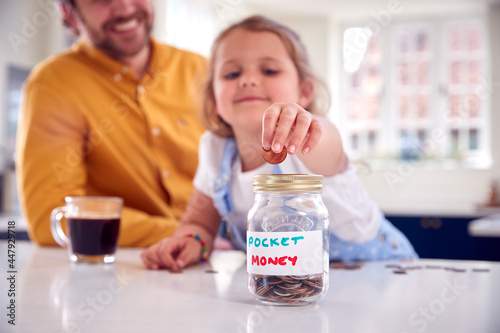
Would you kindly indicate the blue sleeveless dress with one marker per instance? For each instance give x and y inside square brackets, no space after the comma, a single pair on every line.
[389,243]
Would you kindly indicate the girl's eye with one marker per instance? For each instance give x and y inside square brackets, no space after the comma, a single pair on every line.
[269,72]
[232,75]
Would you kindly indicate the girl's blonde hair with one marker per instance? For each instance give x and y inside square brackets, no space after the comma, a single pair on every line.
[298,54]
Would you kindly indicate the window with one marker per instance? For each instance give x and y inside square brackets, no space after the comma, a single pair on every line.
[190,25]
[411,88]
[363,89]
[417,92]
[466,107]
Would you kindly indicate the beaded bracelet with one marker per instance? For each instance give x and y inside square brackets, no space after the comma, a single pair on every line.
[204,253]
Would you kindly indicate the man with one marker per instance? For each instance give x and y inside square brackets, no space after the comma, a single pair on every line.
[115,115]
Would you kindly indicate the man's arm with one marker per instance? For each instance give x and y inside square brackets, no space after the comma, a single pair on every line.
[52,163]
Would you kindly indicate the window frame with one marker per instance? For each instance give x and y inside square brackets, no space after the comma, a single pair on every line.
[438,141]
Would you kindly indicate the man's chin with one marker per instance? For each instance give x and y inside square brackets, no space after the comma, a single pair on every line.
[124,49]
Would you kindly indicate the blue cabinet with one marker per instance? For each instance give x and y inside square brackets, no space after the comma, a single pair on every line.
[446,238]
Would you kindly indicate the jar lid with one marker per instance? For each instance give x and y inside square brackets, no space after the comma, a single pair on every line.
[287,182]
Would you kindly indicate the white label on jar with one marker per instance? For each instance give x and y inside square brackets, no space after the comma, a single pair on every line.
[285,253]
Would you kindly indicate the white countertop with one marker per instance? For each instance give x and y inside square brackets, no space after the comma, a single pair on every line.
[52,295]
[488,226]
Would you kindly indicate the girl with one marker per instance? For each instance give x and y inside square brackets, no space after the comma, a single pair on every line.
[259,87]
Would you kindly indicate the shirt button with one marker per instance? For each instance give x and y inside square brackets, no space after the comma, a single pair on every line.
[140,89]
[124,70]
[156,131]
[118,77]
[182,122]
[165,173]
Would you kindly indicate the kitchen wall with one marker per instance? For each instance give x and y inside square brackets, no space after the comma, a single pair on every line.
[31,31]
[448,191]
[420,190]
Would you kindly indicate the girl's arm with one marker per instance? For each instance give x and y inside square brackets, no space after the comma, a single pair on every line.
[314,139]
[200,218]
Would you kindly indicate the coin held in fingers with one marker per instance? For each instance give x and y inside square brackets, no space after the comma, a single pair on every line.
[272,157]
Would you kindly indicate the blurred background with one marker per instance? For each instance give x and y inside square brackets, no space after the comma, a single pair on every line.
[415,89]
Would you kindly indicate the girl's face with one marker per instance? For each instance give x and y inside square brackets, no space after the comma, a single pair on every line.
[252,70]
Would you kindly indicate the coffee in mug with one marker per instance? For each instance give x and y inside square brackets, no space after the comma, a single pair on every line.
[93,225]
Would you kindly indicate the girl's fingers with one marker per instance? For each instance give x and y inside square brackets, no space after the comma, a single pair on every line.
[171,251]
[190,254]
[269,121]
[147,262]
[150,258]
[300,131]
[291,125]
[314,135]
[284,126]
[164,254]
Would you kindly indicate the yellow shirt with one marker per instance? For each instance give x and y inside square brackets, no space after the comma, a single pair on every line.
[89,126]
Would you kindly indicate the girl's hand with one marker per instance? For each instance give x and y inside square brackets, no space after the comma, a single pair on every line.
[288,124]
[172,253]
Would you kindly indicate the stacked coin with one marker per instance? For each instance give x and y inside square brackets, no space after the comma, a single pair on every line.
[286,288]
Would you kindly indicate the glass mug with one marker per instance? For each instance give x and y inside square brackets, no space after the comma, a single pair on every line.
[93,225]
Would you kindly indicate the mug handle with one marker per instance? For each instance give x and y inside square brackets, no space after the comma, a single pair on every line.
[55,226]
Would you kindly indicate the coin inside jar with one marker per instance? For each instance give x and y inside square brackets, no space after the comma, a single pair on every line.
[272,157]
[281,288]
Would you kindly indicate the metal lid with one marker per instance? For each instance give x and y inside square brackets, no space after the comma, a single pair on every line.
[285,183]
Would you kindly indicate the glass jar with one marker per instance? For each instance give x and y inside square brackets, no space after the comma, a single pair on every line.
[287,240]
